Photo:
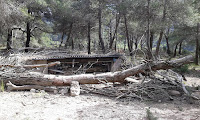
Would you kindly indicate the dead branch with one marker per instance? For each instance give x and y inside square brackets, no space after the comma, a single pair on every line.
[33,66]
[12,87]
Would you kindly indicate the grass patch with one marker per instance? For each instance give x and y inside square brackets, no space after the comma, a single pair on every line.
[150,115]
[182,69]
[2,86]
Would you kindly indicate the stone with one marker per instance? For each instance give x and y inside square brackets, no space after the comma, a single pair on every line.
[33,90]
[64,91]
[196,94]
[75,88]
[55,91]
[174,93]
[42,91]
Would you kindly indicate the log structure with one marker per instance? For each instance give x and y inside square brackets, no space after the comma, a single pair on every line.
[70,64]
[119,76]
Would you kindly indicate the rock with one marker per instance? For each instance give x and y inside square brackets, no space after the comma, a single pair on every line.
[55,91]
[33,90]
[42,91]
[174,93]
[75,88]
[64,91]
[196,94]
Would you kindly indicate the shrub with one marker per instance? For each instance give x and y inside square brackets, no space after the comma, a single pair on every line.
[182,69]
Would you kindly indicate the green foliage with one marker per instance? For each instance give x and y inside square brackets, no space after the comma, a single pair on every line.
[182,69]
[181,18]
[150,115]
[46,40]
[2,86]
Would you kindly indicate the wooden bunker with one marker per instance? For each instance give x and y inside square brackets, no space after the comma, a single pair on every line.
[78,64]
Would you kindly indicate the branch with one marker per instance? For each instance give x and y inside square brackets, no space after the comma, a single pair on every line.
[33,66]
[19,29]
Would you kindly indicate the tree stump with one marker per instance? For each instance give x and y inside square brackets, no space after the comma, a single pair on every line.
[75,88]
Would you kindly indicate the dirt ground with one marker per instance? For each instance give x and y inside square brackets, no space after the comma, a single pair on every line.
[44,106]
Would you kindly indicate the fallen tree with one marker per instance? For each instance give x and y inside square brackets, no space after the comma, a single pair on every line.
[40,79]
[32,66]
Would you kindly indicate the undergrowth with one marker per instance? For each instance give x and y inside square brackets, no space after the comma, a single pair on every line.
[2,86]
[150,115]
[182,69]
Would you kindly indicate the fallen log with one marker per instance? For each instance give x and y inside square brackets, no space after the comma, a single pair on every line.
[12,87]
[58,80]
[32,66]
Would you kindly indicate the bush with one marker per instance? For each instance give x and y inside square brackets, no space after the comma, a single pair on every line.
[182,69]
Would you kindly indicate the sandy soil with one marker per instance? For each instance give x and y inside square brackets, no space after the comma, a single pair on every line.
[44,106]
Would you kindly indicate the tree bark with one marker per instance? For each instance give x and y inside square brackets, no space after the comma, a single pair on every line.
[136,42]
[175,49]
[116,45]
[197,46]
[162,29]
[149,51]
[100,23]
[151,39]
[69,34]
[28,34]
[9,37]
[110,31]
[127,36]
[158,43]
[180,48]
[115,34]
[62,39]
[55,80]
[89,38]
[72,43]
[167,42]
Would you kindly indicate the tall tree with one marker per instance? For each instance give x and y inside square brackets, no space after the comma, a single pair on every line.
[100,26]
[197,45]
[11,17]
[162,29]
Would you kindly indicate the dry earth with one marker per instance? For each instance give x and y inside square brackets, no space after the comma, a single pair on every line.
[44,106]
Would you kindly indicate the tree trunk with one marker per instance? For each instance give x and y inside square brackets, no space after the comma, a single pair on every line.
[127,36]
[197,46]
[69,34]
[9,37]
[149,51]
[180,48]
[151,39]
[72,43]
[116,45]
[167,42]
[136,43]
[89,38]
[162,29]
[175,49]
[28,34]
[124,45]
[58,80]
[100,23]
[62,39]
[115,34]
[158,43]
[110,31]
